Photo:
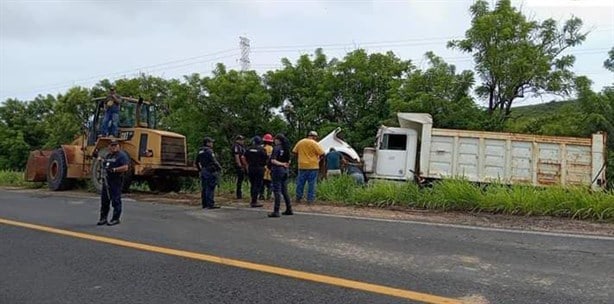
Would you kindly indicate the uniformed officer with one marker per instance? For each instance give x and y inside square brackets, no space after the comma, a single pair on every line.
[114,164]
[210,170]
[256,158]
[279,163]
[238,149]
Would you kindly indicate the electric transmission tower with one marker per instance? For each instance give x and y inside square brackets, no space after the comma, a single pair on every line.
[244,43]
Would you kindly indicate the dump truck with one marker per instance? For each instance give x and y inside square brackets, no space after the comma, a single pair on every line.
[417,151]
[157,157]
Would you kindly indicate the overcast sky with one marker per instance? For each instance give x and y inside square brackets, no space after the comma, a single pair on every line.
[49,46]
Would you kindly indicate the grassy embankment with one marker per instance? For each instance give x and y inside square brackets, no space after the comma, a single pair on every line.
[449,195]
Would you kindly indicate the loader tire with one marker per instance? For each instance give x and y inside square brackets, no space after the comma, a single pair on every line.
[57,170]
[96,177]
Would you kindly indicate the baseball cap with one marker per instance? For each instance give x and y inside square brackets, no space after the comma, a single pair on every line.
[239,137]
[114,142]
[313,133]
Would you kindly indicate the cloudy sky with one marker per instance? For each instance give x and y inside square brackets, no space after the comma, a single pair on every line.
[49,46]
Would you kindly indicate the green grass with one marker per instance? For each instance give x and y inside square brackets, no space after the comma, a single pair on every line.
[16,179]
[449,195]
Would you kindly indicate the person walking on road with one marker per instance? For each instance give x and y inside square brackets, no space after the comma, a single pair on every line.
[256,159]
[114,164]
[209,169]
[266,183]
[238,150]
[279,164]
[309,153]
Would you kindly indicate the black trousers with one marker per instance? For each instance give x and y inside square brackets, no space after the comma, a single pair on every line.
[240,179]
[256,176]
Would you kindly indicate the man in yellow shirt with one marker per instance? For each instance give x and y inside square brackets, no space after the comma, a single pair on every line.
[309,153]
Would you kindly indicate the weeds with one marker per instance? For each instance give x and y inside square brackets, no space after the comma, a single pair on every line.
[459,195]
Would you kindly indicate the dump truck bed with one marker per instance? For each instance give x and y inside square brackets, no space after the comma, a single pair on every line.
[514,158]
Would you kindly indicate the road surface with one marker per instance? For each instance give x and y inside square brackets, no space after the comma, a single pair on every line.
[51,251]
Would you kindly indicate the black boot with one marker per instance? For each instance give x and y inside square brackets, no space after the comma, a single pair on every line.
[102,221]
[273,214]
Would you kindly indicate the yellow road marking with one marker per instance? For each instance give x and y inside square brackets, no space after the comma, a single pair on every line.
[302,275]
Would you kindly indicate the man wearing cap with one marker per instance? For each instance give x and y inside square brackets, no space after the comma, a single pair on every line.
[111,115]
[238,149]
[309,153]
[209,169]
[114,164]
[256,158]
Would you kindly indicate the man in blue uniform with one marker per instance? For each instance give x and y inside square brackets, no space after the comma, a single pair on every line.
[114,164]
[209,169]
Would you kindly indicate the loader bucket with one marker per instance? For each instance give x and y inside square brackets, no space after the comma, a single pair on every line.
[36,169]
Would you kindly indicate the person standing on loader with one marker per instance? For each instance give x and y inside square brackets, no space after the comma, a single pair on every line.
[114,164]
[209,169]
[266,183]
[256,159]
[111,114]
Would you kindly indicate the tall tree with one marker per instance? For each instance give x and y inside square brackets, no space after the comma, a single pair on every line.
[363,85]
[515,56]
[442,92]
[302,91]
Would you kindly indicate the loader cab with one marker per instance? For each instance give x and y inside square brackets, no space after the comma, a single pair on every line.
[132,114]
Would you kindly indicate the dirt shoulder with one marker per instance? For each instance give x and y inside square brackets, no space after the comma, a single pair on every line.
[527,223]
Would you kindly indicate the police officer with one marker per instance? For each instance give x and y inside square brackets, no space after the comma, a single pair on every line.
[114,164]
[279,163]
[210,170]
[238,149]
[256,158]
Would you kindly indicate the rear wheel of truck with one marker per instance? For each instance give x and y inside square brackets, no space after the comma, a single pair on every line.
[57,170]
[164,184]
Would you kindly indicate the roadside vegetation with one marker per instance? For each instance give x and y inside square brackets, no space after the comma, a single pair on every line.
[445,195]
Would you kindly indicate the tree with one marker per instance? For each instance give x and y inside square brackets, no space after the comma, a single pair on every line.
[71,111]
[302,92]
[441,92]
[609,63]
[363,85]
[515,56]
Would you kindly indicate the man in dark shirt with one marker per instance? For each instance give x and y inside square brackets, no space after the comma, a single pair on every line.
[114,164]
[238,149]
[333,162]
[256,159]
[209,169]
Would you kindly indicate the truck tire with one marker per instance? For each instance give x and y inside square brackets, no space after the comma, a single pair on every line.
[96,172]
[164,184]
[56,172]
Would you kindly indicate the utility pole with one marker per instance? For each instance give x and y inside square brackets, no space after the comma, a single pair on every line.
[245,49]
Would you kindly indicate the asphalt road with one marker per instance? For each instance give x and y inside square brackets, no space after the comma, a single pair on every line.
[432,263]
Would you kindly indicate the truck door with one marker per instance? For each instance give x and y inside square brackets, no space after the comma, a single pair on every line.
[392,155]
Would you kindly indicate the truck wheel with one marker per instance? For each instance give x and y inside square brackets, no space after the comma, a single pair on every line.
[164,184]
[56,172]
